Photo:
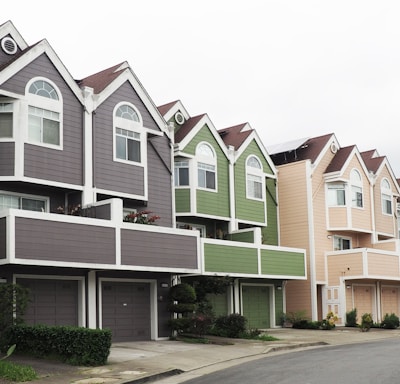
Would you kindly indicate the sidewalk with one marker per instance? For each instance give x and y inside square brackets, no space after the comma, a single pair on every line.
[172,362]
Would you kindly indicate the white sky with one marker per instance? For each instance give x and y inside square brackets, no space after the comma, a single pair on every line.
[291,68]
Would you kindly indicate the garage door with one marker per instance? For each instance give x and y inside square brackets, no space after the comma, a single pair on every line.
[126,310]
[256,306]
[363,300]
[390,300]
[52,302]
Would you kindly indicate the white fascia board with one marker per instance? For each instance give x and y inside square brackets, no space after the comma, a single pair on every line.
[205,120]
[34,53]
[325,149]
[8,28]
[178,106]
[128,75]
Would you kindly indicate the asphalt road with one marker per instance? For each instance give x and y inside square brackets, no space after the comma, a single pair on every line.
[364,363]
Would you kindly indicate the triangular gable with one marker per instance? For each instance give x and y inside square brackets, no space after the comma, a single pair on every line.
[204,120]
[123,73]
[170,109]
[8,28]
[43,47]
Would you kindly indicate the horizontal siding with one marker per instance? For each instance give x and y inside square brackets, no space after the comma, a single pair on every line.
[59,241]
[153,249]
[182,200]
[3,238]
[383,265]
[278,262]
[230,259]
[7,158]
[246,237]
[349,263]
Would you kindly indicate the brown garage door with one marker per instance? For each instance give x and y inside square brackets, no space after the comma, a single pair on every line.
[52,302]
[126,310]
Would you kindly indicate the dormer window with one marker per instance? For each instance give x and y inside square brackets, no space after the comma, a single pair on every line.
[386,195]
[206,166]
[44,113]
[254,178]
[356,189]
[129,134]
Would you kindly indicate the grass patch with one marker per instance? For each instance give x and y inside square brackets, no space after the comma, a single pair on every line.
[266,337]
[17,372]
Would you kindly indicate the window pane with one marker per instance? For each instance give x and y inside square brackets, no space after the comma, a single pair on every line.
[183,176]
[120,143]
[6,120]
[33,205]
[134,150]
[201,178]
[7,201]
[34,128]
[210,180]
[51,132]
[341,199]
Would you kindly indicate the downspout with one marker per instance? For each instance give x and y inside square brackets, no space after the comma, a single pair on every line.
[311,241]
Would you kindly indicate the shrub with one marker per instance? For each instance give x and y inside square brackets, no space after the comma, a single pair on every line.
[296,317]
[230,325]
[306,324]
[366,322]
[351,318]
[390,321]
[329,322]
[74,345]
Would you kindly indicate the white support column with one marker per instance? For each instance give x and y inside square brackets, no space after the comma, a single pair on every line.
[92,298]
[236,296]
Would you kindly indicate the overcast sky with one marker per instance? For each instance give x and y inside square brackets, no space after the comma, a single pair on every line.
[291,68]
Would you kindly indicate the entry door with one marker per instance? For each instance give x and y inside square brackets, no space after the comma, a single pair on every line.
[256,306]
[126,310]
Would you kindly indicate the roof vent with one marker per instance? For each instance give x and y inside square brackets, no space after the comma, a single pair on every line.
[334,148]
[179,118]
[8,45]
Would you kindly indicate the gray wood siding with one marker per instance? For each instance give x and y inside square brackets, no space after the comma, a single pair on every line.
[159,180]
[5,58]
[7,158]
[158,249]
[58,241]
[109,174]
[49,164]
[3,238]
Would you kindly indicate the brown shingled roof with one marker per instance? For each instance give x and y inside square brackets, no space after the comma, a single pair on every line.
[339,159]
[234,135]
[100,80]
[309,150]
[187,127]
[163,109]
[372,162]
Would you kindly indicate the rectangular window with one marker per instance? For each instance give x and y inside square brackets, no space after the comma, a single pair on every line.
[181,173]
[387,204]
[356,197]
[127,145]
[44,126]
[340,243]
[206,176]
[6,120]
[19,202]
[336,194]
[254,187]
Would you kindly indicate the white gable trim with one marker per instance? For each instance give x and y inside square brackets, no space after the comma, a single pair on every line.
[9,29]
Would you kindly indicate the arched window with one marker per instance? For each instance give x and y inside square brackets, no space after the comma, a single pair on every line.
[128,133]
[386,194]
[356,189]
[44,113]
[206,166]
[254,178]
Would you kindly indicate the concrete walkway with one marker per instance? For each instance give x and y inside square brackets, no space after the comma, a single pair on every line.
[172,362]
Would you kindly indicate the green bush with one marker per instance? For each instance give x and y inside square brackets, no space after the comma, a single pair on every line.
[390,321]
[351,318]
[366,322]
[182,293]
[74,345]
[306,324]
[232,325]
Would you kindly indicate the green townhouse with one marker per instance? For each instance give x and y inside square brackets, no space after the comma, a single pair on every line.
[226,188]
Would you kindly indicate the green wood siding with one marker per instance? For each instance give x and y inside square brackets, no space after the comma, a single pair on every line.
[182,200]
[246,237]
[248,209]
[229,259]
[277,262]
[270,232]
[209,202]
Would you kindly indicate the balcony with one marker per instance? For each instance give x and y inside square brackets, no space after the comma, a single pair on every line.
[363,263]
[48,239]
[244,259]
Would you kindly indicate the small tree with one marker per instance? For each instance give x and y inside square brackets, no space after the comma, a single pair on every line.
[182,298]
[13,302]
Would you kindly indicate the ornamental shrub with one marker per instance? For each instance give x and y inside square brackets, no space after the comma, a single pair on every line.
[390,321]
[232,325]
[351,318]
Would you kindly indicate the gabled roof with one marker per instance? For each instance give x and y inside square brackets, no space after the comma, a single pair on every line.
[100,80]
[235,136]
[187,127]
[340,158]
[372,161]
[163,109]
[310,149]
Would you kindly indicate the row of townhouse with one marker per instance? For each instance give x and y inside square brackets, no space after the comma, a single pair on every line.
[77,156]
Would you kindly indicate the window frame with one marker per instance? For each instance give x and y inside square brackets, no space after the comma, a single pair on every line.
[43,103]
[356,189]
[257,174]
[130,126]
[3,110]
[181,164]
[341,239]
[386,197]
[22,196]
[207,165]
[330,194]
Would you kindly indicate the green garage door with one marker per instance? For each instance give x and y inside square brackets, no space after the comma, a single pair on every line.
[256,306]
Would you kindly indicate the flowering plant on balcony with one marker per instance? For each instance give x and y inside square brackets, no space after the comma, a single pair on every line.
[142,217]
